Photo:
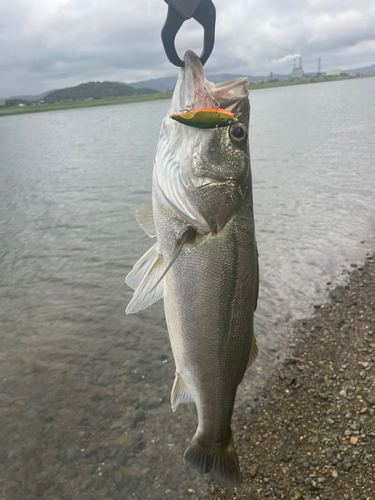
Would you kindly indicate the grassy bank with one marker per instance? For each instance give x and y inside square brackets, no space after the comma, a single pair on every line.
[82,104]
[153,97]
[285,83]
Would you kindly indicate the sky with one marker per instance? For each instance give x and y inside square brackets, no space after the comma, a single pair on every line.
[51,44]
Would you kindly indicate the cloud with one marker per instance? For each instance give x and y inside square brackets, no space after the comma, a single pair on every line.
[59,43]
[286,59]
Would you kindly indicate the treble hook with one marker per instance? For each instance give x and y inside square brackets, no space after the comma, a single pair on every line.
[179,11]
[214,101]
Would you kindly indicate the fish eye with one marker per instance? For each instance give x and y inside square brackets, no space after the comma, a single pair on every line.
[238,133]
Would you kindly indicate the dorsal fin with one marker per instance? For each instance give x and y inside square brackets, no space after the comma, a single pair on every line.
[145,278]
[145,218]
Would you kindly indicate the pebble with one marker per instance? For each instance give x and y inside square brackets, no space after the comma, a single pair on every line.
[371,399]
[291,381]
[328,421]
[356,427]
[363,410]
[347,465]
[253,471]
[118,477]
[334,474]
[353,440]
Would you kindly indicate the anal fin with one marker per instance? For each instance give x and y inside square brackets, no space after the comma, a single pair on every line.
[180,394]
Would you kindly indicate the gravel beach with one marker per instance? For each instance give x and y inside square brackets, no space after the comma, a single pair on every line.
[311,432]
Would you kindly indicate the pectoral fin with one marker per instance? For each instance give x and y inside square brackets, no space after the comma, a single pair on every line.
[145,279]
[145,218]
[188,235]
[179,393]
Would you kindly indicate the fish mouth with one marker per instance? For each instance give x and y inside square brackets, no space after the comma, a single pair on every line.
[194,91]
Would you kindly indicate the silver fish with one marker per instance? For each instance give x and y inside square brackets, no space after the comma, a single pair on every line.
[204,262]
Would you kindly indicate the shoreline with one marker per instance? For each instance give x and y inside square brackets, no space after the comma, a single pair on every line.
[310,432]
[163,95]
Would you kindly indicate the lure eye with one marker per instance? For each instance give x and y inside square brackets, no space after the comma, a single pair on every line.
[238,133]
[229,121]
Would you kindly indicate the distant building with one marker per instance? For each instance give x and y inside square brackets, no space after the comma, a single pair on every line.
[333,72]
[297,71]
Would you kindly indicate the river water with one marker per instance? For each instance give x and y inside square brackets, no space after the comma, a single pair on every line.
[84,391]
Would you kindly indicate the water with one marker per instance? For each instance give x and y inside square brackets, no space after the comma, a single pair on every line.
[84,396]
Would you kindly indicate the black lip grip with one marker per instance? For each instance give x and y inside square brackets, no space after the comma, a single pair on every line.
[179,11]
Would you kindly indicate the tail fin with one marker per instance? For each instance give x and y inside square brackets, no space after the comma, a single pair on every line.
[220,462]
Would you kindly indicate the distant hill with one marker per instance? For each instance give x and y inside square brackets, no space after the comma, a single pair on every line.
[30,98]
[362,71]
[169,82]
[160,84]
[95,90]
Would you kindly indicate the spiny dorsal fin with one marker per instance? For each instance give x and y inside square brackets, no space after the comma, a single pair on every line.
[186,237]
[253,352]
[145,218]
[145,278]
[179,393]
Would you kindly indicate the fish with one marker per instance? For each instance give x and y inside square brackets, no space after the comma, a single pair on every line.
[204,262]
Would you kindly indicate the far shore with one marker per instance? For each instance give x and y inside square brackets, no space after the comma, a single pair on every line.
[39,108]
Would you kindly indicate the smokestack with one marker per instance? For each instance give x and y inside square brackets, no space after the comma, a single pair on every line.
[300,62]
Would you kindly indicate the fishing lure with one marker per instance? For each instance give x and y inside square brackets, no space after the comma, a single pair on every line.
[206,118]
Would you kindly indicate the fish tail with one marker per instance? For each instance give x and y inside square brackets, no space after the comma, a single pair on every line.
[219,461]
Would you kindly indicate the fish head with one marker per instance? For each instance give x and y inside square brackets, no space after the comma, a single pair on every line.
[205,173]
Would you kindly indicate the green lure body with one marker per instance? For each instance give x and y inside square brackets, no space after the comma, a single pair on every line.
[206,118]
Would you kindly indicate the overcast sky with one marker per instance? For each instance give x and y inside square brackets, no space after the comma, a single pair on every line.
[49,44]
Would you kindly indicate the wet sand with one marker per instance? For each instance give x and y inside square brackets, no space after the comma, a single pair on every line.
[311,434]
